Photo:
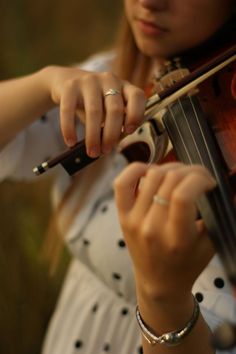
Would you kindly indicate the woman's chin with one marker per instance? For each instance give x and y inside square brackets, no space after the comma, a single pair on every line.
[155,50]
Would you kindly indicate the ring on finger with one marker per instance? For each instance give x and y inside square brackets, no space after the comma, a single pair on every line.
[160,200]
[112,92]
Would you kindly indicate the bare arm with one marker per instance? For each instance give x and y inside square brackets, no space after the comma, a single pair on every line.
[22,100]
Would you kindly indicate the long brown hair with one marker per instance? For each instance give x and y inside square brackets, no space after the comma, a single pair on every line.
[130,63]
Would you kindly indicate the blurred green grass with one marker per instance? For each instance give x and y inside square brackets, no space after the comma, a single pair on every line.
[28,293]
[35,34]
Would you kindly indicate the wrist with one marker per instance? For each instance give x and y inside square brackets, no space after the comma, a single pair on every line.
[166,312]
[172,337]
[162,293]
[46,82]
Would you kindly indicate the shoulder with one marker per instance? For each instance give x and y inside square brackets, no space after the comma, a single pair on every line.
[99,62]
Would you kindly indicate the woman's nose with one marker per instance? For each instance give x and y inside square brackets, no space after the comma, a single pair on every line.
[158,5]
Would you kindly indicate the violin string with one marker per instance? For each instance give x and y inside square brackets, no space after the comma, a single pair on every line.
[231,245]
[223,244]
[176,125]
[222,237]
[173,117]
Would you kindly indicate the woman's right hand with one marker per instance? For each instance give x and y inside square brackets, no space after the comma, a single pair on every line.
[78,90]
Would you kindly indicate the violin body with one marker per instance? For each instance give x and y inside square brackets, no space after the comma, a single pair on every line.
[218,101]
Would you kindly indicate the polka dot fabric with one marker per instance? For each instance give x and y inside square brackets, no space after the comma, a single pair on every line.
[214,294]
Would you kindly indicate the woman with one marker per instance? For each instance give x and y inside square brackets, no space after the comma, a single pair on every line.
[96,309]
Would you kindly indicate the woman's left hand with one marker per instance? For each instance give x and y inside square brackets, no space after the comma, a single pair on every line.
[168,246]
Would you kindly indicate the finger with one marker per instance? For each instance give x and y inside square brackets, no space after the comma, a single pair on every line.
[68,105]
[174,176]
[204,241]
[159,211]
[125,186]
[182,211]
[94,112]
[114,111]
[150,184]
[135,107]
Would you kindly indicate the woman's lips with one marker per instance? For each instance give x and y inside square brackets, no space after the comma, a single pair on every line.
[150,28]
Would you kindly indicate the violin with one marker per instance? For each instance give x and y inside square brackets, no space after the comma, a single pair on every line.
[193,120]
[139,146]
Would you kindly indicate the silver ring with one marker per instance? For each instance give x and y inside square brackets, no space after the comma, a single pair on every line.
[112,92]
[160,200]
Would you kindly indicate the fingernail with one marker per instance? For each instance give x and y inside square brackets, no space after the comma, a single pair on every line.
[94,152]
[70,142]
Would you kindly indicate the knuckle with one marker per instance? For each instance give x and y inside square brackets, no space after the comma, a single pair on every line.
[152,173]
[139,93]
[67,126]
[174,248]
[92,139]
[133,119]
[204,171]
[109,143]
[115,110]
[172,175]
[132,225]
[68,134]
[109,138]
[71,83]
[65,110]
[200,168]
[88,77]
[148,234]
[106,75]
[118,183]
[135,165]
[179,198]
[93,111]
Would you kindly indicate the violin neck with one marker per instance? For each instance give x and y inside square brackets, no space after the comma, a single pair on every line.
[193,142]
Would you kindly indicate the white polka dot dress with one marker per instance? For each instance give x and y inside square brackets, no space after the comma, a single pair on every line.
[95,312]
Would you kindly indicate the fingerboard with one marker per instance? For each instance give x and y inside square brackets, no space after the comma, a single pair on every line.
[193,142]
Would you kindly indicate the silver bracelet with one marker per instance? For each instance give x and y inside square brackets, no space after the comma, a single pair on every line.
[171,338]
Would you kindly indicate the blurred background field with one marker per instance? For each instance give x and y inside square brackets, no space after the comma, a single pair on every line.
[32,35]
